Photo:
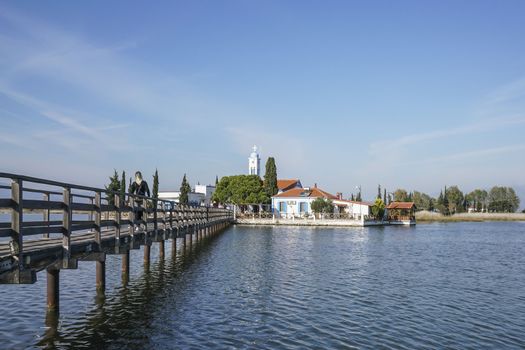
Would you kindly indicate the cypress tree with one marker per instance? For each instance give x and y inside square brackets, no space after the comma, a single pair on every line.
[379,191]
[123,187]
[440,198]
[184,191]
[270,177]
[113,188]
[352,198]
[358,197]
[216,180]
[384,195]
[445,201]
[155,190]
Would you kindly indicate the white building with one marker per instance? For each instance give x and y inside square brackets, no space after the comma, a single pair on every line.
[296,202]
[207,190]
[194,198]
[354,209]
[254,163]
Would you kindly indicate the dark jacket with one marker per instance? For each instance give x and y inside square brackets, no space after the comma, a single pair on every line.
[141,189]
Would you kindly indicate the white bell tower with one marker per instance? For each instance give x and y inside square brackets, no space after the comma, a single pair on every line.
[254,163]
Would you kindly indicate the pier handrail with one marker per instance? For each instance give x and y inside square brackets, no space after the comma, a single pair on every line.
[106,209]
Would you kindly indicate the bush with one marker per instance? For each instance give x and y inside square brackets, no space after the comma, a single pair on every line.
[322,205]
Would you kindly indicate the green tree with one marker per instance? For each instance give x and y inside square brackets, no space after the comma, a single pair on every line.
[422,201]
[123,187]
[384,196]
[240,190]
[322,205]
[358,197]
[477,199]
[378,209]
[446,210]
[400,195]
[270,177]
[431,204]
[185,190]
[503,199]
[113,188]
[352,198]
[378,191]
[155,190]
[454,197]
[216,180]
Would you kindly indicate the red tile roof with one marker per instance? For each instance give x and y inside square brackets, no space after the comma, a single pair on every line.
[283,185]
[302,192]
[401,205]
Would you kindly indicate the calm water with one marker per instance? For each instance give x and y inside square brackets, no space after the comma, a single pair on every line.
[458,285]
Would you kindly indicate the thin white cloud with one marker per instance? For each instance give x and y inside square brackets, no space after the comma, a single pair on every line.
[506,93]
[69,119]
[469,155]
[101,73]
[380,147]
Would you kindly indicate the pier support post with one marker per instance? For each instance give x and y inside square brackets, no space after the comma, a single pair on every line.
[174,247]
[125,267]
[101,276]
[161,250]
[53,289]
[147,253]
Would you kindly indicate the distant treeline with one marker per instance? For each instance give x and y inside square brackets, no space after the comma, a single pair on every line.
[452,200]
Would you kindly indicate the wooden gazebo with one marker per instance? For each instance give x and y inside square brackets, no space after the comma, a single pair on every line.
[401,213]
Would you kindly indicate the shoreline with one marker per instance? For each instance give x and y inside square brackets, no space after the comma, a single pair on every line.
[428,217]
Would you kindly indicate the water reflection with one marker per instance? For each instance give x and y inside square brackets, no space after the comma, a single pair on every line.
[124,315]
[432,286]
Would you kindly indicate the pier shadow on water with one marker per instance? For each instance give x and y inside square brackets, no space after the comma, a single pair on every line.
[122,316]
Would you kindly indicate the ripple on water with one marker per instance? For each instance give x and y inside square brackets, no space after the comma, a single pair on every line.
[433,286]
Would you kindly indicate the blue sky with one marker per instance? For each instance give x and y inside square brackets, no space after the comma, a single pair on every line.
[412,94]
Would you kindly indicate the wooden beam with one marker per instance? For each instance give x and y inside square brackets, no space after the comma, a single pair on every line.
[98,214]
[117,217]
[37,204]
[17,220]
[66,222]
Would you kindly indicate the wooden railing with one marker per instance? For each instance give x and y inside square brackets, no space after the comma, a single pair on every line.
[39,209]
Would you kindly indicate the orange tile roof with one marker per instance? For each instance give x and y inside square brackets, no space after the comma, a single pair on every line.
[401,205]
[310,193]
[285,184]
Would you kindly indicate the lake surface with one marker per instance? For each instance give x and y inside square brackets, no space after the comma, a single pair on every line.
[455,285]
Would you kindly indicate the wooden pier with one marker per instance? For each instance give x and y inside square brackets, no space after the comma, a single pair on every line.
[54,226]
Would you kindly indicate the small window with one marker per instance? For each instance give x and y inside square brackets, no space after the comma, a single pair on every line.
[303,207]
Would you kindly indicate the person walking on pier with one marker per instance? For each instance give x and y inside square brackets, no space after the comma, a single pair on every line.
[140,187]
